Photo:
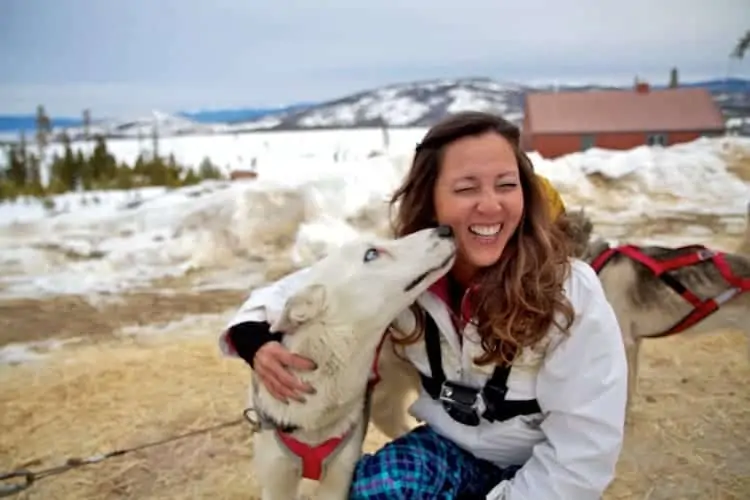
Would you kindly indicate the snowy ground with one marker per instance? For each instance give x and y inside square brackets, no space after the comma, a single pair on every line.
[303,200]
[316,189]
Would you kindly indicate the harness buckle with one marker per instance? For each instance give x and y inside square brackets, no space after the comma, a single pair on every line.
[706,254]
[492,396]
[464,404]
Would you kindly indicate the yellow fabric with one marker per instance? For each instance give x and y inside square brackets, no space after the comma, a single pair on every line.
[556,205]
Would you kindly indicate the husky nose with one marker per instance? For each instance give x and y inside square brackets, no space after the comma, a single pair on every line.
[444,231]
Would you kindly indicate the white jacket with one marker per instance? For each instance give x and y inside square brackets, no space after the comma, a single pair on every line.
[569,451]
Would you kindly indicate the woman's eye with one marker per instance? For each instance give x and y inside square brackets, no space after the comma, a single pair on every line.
[371,254]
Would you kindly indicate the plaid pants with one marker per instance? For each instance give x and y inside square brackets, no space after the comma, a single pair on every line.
[423,465]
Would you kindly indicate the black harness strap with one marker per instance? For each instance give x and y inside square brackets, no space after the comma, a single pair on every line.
[493,393]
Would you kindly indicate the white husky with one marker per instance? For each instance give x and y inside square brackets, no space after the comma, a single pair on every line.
[338,319]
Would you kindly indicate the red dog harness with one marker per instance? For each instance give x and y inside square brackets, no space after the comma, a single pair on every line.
[694,254]
[314,457]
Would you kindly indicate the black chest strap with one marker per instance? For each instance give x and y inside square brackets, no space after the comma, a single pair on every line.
[489,402]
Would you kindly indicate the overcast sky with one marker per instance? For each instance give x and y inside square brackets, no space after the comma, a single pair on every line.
[129,56]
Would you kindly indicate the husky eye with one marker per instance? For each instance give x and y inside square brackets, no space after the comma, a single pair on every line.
[371,254]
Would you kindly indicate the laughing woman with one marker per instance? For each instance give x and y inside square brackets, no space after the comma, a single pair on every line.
[533,335]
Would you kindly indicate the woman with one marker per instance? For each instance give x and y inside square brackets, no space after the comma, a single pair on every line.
[521,304]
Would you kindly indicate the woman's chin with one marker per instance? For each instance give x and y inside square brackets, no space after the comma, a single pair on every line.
[485,254]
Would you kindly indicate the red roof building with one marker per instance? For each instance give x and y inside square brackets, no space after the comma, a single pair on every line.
[560,123]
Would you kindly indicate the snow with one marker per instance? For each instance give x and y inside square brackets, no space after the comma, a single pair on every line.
[316,189]
[20,353]
[689,178]
[415,103]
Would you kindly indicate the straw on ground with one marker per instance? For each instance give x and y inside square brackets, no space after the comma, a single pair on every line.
[691,438]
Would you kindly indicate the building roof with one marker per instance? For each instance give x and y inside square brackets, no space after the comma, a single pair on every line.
[645,110]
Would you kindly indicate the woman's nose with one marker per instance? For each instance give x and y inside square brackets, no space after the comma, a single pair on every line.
[489,203]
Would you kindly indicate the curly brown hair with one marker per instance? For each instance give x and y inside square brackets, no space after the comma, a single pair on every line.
[516,300]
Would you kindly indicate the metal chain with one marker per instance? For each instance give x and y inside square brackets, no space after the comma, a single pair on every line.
[17,481]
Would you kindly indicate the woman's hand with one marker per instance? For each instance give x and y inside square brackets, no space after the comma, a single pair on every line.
[271,362]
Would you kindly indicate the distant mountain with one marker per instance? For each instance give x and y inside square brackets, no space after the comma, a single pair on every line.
[724,85]
[240,115]
[411,104]
[419,104]
[27,123]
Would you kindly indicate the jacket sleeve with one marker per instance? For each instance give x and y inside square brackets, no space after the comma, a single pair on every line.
[582,390]
[260,309]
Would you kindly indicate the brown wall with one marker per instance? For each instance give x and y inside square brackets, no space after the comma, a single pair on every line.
[242,174]
[552,146]
[555,145]
[525,133]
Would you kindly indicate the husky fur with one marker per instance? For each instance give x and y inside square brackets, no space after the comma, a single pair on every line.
[645,306]
[338,319]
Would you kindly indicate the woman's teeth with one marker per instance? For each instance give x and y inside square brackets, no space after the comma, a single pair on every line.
[485,230]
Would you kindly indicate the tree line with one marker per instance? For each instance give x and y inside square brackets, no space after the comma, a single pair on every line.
[74,170]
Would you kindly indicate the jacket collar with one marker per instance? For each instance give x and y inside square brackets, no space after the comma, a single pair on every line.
[440,290]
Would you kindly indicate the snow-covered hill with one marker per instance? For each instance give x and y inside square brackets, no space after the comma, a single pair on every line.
[422,103]
[411,104]
[142,126]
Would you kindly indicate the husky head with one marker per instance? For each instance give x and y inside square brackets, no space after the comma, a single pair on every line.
[366,283]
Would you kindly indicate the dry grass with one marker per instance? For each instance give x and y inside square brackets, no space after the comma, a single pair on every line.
[107,396]
[691,432]
[691,438]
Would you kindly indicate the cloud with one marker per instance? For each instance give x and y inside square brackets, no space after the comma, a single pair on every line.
[176,54]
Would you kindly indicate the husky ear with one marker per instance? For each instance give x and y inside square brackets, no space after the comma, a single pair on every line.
[301,307]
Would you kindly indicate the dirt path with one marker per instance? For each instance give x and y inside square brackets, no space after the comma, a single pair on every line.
[24,320]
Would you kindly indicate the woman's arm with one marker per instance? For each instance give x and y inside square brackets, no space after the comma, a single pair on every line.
[254,316]
[582,389]
[248,337]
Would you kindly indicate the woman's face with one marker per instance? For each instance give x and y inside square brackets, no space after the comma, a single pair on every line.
[478,193]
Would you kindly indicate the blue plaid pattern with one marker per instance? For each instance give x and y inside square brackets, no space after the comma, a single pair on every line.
[423,465]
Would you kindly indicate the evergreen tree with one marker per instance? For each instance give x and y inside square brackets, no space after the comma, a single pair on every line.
[43,131]
[742,45]
[208,170]
[102,165]
[16,172]
[190,178]
[86,123]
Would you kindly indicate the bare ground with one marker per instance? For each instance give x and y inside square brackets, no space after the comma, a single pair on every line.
[24,320]
[690,438]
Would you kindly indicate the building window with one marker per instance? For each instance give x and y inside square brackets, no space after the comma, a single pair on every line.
[588,141]
[656,140]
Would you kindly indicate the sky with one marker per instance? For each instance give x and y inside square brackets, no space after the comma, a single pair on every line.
[119,57]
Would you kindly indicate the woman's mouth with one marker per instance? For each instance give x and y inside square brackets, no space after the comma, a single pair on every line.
[485,231]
